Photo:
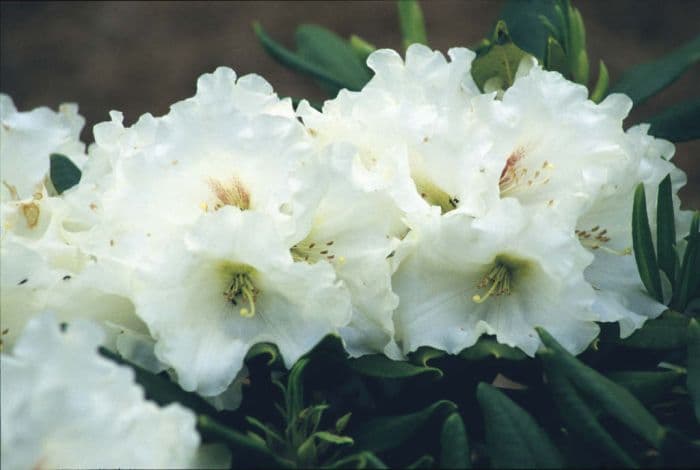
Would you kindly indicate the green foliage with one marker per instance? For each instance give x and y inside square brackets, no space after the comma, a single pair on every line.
[454,445]
[378,365]
[411,23]
[694,365]
[645,80]
[513,438]
[499,61]
[63,173]
[669,331]
[679,123]
[644,247]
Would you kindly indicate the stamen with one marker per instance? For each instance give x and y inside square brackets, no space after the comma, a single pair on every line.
[242,289]
[515,177]
[498,280]
[231,193]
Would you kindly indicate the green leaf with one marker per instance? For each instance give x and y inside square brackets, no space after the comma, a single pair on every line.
[296,62]
[527,29]
[63,173]
[411,23]
[611,397]
[679,123]
[423,355]
[334,55]
[577,47]
[693,380]
[601,85]
[388,432]
[647,386]
[555,58]
[264,349]
[342,422]
[238,442]
[333,438]
[645,80]
[361,48]
[489,347]
[669,331]
[666,230]
[513,437]
[500,61]
[644,247]
[378,365]
[160,389]
[295,389]
[454,446]
[578,416]
[690,268]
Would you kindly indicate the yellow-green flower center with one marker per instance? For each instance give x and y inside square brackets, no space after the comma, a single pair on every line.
[500,278]
[240,290]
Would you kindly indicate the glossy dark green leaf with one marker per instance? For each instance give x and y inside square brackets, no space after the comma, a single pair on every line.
[500,61]
[669,331]
[644,247]
[601,85]
[513,437]
[295,61]
[579,418]
[555,58]
[693,380]
[679,123]
[666,230]
[378,365]
[454,446]
[160,389]
[333,54]
[267,351]
[614,399]
[424,355]
[388,432]
[647,386]
[645,80]
[295,389]
[361,47]
[63,173]
[524,18]
[411,23]
[489,347]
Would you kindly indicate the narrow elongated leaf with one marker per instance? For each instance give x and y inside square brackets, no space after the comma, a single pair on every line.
[645,385]
[489,347]
[295,61]
[578,416]
[555,58]
[425,461]
[645,80]
[295,389]
[333,54]
[63,173]
[689,283]
[388,432]
[513,437]
[378,365]
[679,123]
[361,48]
[333,438]
[411,22]
[666,230]
[644,247]
[601,85]
[266,350]
[611,397]
[694,365]
[669,331]
[454,446]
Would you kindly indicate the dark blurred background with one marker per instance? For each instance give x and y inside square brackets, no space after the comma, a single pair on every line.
[141,57]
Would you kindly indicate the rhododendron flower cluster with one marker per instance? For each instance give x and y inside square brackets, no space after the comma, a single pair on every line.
[418,211]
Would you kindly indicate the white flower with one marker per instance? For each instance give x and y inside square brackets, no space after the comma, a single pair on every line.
[606,230]
[416,126]
[555,148]
[231,284]
[64,406]
[27,139]
[355,229]
[501,274]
